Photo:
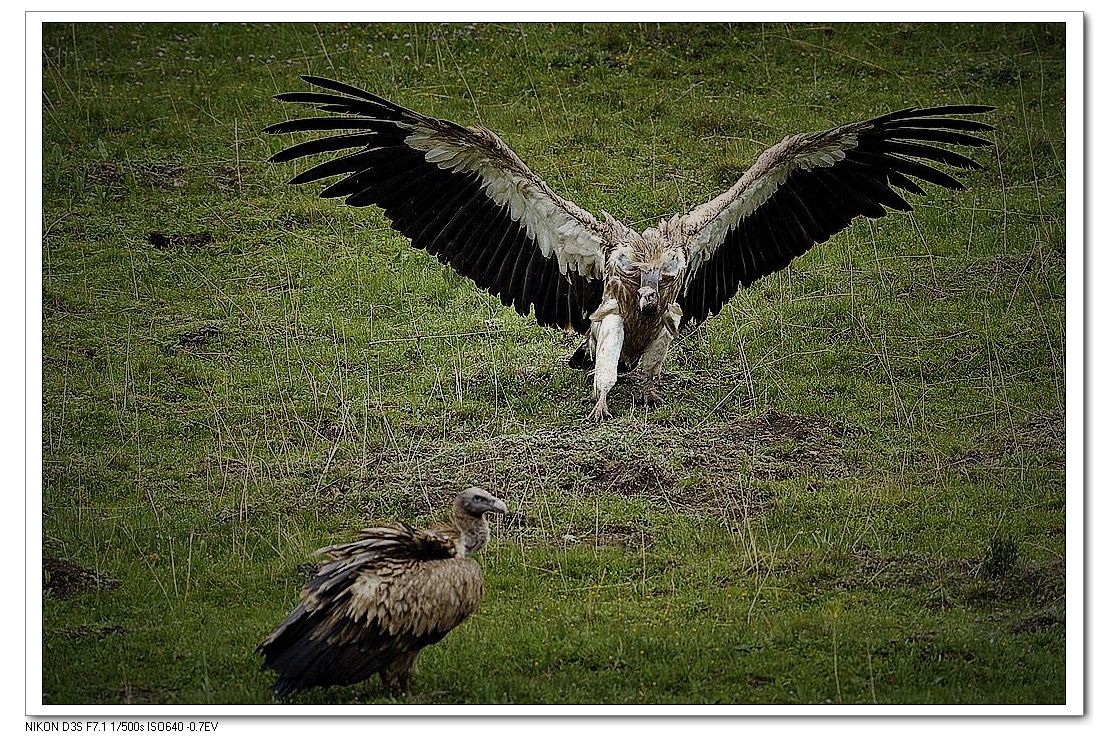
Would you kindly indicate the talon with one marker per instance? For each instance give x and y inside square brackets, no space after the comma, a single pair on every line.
[650,396]
[600,411]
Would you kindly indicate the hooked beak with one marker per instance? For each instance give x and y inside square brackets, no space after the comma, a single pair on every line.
[648,300]
[497,505]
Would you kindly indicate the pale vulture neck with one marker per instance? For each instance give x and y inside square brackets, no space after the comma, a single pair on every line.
[474,530]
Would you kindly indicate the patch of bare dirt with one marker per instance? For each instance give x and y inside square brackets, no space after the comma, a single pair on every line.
[199,336]
[65,579]
[1047,432]
[86,632]
[1008,268]
[619,534]
[308,570]
[295,220]
[1038,621]
[186,241]
[104,174]
[227,466]
[229,178]
[161,175]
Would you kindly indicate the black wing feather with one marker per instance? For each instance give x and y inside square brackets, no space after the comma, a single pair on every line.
[951,124]
[449,214]
[814,202]
[939,136]
[323,146]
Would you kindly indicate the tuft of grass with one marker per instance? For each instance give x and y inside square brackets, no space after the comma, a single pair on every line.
[236,373]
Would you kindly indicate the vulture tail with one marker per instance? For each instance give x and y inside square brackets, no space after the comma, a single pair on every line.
[581,358]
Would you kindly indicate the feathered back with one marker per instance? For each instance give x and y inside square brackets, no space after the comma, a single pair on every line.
[400,541]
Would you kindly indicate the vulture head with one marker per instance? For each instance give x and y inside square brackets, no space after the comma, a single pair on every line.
[469,511]
[648,273]
[475,502]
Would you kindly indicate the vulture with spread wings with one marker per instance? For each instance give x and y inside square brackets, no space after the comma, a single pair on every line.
[464,196]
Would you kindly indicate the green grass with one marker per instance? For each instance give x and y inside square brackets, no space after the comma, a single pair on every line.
[854,492]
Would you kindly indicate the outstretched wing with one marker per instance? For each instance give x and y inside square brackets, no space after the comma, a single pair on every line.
[461,194]
[392,593]
[808,188]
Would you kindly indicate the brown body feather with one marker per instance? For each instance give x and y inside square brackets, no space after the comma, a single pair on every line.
[381,599]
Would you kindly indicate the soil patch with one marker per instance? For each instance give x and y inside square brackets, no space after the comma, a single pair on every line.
[160,175]
[199,336]
[229,178]
[179,240]
[65,579]
[104,174]
[1039,621]
[86,632]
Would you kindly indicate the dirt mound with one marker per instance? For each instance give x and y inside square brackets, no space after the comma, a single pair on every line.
[186,241]
[66,579]
[706,469]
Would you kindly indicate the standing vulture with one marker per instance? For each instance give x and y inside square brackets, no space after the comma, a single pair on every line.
[464,196]
[379,600]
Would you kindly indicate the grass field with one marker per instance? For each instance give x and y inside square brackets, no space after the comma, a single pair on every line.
[854,492]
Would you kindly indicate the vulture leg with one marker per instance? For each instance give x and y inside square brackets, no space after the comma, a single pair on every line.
[396,675]
[650,367]
[608,332]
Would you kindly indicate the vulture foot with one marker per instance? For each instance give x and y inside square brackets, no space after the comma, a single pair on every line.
[600,411]
[650,396]
[395,687]
[397,675]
